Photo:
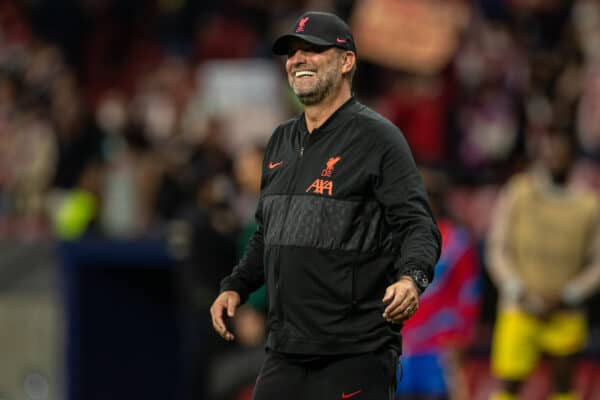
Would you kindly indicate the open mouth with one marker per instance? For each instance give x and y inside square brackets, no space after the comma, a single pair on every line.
[303,74]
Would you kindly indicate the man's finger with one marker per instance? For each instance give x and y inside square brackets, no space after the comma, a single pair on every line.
[402,312]
[406,308]
[389,294]
[395,303]
[393,312]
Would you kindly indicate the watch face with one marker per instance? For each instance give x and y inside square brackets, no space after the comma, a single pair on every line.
[421,279]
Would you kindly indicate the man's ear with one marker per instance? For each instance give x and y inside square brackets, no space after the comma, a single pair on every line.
[348,62]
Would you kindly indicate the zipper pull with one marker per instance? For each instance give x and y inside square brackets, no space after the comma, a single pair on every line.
[303,144]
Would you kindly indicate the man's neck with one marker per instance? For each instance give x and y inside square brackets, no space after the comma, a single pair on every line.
[317,114]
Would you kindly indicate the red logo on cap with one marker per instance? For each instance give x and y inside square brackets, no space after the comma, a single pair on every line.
[340,40]
[301,24]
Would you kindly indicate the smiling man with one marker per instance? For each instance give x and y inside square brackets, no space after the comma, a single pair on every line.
[346,240]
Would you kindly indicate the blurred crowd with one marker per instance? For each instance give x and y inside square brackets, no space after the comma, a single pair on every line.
[99,96]
[106,124]
[118,118]
[100,128]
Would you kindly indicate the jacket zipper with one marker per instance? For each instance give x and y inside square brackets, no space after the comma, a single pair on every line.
[305,140]
[289,192]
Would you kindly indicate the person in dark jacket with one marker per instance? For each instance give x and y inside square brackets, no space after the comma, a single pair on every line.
[346,240]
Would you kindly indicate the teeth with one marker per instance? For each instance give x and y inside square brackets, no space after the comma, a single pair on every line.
[304,73]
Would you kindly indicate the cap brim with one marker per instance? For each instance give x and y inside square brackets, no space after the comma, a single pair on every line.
[282,44]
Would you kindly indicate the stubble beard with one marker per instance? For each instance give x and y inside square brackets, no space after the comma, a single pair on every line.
[322,88]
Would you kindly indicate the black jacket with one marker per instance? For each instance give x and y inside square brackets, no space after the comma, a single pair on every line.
[342,215]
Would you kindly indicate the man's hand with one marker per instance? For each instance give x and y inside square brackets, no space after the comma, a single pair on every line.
[539,304]
[226,301]
[401,299]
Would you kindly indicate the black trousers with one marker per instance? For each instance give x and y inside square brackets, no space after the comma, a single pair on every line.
[369,376]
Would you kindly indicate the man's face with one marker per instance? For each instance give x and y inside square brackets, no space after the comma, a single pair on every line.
[313,72]
[557,153]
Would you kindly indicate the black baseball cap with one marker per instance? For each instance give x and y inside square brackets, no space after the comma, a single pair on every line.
[318,28]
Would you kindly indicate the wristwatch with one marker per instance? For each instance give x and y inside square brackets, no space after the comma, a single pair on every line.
[419,277]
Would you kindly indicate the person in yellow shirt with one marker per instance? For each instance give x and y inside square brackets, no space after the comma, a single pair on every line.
[543,254]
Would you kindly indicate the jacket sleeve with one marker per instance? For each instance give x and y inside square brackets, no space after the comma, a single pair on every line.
[248,274]
[399,188]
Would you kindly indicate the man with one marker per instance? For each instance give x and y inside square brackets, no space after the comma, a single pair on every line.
[544,256]
[346,240]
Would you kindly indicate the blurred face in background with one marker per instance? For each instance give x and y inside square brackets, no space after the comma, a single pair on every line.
[557,154]
[111,114]
[313,72]
[66,104]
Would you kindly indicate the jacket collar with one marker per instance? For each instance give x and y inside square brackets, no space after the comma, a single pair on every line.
[339,116]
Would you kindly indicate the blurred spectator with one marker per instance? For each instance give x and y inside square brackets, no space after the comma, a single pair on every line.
[214,38]
[79,139]
[423,43]
[486,116]
[132,171]
[29,164]
[418,104]
[544,257]
[208,231]
[195,173]
[588,117]
[436,338]
[235,372]
[77,213]
[197,193]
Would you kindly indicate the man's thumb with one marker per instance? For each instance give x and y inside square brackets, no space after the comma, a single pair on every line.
[389,294]
[231,306]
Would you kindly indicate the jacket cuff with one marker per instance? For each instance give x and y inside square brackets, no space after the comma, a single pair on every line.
[229,284]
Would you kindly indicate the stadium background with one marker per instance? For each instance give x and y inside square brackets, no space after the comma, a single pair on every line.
[130,134]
